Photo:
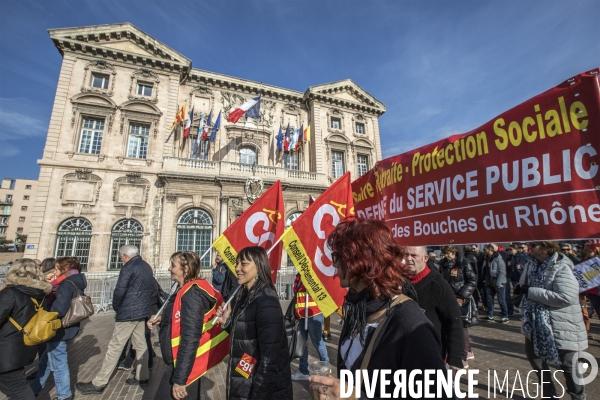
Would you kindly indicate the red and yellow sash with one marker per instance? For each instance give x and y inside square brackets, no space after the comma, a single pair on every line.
[214,342]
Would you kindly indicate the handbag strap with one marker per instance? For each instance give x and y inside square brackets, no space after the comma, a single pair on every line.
[398,300]
[75,286]
[16,324]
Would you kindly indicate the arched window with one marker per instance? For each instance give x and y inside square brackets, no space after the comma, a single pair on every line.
[247,155]
[126,231]
[194,233]
[73,240]
[288,222]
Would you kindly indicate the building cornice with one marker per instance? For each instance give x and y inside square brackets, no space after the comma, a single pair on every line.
[96,40]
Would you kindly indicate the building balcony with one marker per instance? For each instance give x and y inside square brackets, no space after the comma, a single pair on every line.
[4,213]
[224,169]
[3,223]
[2,235]
[6,203]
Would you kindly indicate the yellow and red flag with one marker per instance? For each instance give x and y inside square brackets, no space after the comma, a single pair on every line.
[260,225]
[179,117]
[306,244]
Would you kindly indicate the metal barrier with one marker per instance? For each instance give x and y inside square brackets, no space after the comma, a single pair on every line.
[101,285]
[95,290]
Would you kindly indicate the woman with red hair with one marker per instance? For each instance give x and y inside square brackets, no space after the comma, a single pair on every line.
[369,264]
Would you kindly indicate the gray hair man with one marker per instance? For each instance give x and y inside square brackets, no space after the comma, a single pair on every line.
[437,298]
[134,300]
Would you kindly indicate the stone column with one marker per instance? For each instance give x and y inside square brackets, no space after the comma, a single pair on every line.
[224,214]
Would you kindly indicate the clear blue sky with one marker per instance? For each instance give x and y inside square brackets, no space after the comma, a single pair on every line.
[440,67]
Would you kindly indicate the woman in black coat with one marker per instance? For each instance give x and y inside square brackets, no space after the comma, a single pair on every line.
[24,281]
[194,302]
[55,358]
[258,365]
[461,274]
[369,263]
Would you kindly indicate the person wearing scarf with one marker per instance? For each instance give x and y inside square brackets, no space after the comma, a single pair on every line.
[552,321]
[369,264]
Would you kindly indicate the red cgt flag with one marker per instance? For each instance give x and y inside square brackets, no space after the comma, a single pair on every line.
[260,225]
[306,244]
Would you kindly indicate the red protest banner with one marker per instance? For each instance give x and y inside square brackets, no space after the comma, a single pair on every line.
[306,244]
[529,174]
[260,225]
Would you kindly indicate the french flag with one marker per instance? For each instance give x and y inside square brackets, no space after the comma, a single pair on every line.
[188,124]
[251,109]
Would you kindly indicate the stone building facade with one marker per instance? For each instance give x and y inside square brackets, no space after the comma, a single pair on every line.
[17,197]
[113,173]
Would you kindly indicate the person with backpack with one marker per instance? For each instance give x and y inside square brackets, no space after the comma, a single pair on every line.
[55,357]
[25,286]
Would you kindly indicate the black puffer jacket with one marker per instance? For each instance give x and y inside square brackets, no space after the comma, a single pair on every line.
[461,275]
[257,330]
[194,304]
[62,302]
[135,294]
[15,302]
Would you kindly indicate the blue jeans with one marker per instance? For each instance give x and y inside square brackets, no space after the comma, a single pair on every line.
[315,330]
[54,359]
[507,298]
[491,292]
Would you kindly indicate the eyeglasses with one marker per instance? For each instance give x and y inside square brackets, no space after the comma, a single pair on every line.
[564,250]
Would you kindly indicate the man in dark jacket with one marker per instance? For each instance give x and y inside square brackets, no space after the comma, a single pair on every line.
[460,274]
[219,269]
[24,281]
[134,300]
[229,284]
[515,262]
[494,273]
[437,298]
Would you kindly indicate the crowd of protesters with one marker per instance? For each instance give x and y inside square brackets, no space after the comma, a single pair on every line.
[406,308]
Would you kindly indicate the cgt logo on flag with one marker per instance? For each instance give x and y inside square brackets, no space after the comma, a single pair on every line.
[246,365]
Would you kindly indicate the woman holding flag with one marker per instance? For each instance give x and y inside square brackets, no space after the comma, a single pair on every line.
[384,328]
[181,332]
[258,366]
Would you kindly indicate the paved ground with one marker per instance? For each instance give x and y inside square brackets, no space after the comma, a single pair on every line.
[497,347]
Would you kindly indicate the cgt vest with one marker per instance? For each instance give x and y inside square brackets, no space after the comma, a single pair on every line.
[300,306]
[213,346]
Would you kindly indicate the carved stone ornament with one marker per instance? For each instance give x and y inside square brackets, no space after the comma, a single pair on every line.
[83,174]
[237,203]
[144,75]
[203,92]
[131,190]
[81,187]
[104,68]
[253,188]
[231,101]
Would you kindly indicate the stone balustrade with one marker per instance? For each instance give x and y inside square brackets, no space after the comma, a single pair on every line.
[232,169]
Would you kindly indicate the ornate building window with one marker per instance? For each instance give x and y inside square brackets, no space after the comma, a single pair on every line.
[337,164]
[362,162]
[360,128]
[144,85]
[194,233]
[91,136]
[247,155]
[137,146]
[124,232]
[99,77]
[100,81]
[336,123]
[290,160]
[73,240]
[144,89]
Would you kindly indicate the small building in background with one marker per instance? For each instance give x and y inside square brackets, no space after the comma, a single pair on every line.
[16,207]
